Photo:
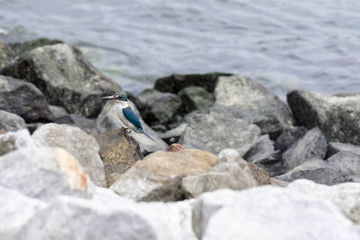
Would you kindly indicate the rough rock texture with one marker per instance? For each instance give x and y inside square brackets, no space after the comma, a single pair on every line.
[337,116]
[195,98]
[317,170]
[241,97]
[259,174]
[162,169]
[65,77]
[348,164]
[6,54]
[23,47]
[11,122]
[118,152]
[312,145]
[86,124]
[335,147]
[288,137]
[15,140]
[211,132]
[176,82]
[345,196]
[173,135]
[42,172]
[81,145]
[158,107]
[218,215]
[108,120]
[23,99]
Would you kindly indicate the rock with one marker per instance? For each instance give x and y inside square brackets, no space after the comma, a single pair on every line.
[12,141]
[6,54]
[11,122]
[15,211]
[175,148]
[23,99]
[58,112]
[345,196]
[159,108]
[348,165]
[259,174]
[108,120]
[23,47]
[86,124]
[312,145]
[176,82]
[159,169]
[65,77]
[288,137]
[214,132]
[195,98]
[337,116]
[217,215]
[316,170]
[173,135]
[240,97]
[42,173]
[335,147]
[118,153]
[81,145]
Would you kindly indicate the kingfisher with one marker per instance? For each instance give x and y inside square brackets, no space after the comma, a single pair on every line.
[126,114]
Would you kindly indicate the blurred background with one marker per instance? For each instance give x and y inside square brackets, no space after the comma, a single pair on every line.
[311,44]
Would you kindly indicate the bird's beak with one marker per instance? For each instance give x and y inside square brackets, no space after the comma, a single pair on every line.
[108,98]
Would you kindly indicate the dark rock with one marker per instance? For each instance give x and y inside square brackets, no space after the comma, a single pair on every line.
[316,170]
[195,98]
[65,77]
[335,147]
[240,97]
[338,117]
[215,132]
[32,127]
[6,54]
[348,165]
[23,99]
[288,137]
[11,122]
[312,145]
[118,152]
[173,135]
[176,82]
[23,47]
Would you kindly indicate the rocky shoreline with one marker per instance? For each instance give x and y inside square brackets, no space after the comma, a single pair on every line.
[230,160]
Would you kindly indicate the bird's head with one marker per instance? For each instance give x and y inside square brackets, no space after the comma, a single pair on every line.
[116,96]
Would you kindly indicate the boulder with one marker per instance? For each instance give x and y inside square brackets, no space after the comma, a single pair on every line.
[6,54]
[11,122]
[12,141]
[240,97]
[288,137]
[109,120]
[195,98]
[214,132]
[161,169]
[255,214]
[348,165]
[335,147]
[311,145]
[337,116]
[23,99]
[65,77]
[118,153]
[81,145]
[176,82]
[43,173]
[22,47]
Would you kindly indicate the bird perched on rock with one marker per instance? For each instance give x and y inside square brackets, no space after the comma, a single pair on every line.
[126,114]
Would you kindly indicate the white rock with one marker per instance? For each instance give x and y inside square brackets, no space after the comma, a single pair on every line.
[269,213]
[11,141]
[345,196]
[78,143]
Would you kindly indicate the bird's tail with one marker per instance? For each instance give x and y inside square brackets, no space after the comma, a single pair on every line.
[142,131]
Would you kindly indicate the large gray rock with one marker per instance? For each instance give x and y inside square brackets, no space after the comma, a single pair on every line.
[195,98]
[11,122]
[335,147]
[23,99]
[255,214]
[348,164]
[312,145]
[109,120]
[12,141]
[337,116]
[65,77]
[288,137]
[81,145]
[214,132]
[241,97]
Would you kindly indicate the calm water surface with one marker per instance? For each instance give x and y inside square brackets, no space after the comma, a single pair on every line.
[283,44]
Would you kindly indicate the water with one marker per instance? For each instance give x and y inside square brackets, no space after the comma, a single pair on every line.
[283,44]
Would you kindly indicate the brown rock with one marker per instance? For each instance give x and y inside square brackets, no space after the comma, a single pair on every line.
[259,174]
[175,147]
[118,152]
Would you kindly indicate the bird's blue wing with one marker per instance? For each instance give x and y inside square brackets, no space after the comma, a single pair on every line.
[131,116]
